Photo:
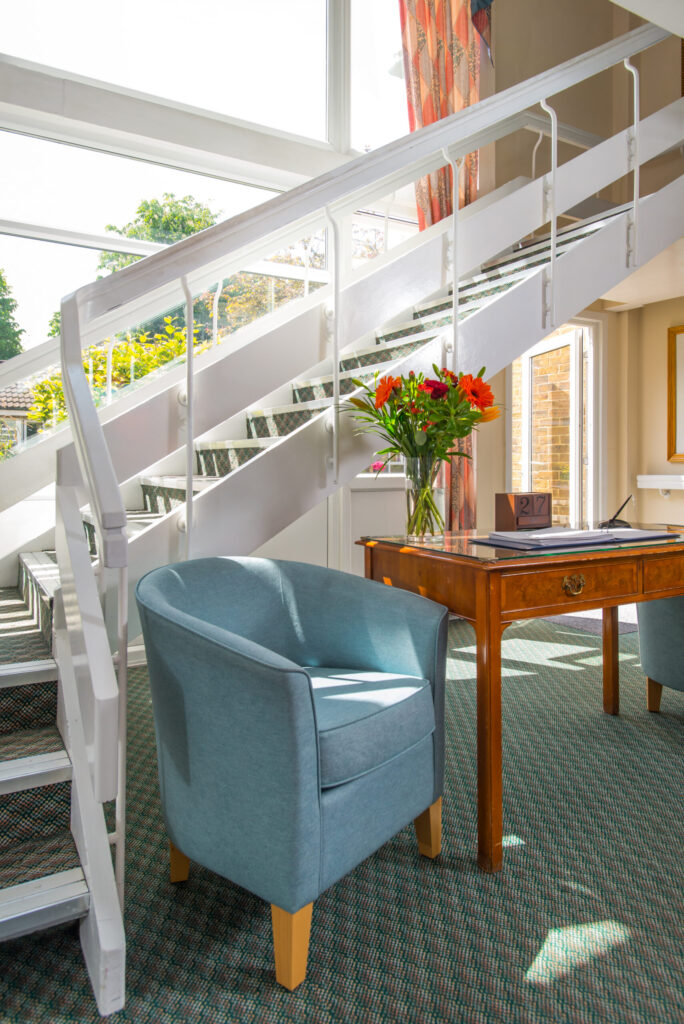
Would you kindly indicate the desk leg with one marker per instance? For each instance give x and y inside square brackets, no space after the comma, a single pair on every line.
[488,630]
[611,664]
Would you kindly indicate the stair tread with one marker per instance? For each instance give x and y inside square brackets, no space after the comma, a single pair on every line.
[37,858]
[177,480]
[30,742]
[374,350]
[243,442]
[364,371]
[314,404]
[17,673]
[132,515]
[565,237]
[42,565]
[20,637]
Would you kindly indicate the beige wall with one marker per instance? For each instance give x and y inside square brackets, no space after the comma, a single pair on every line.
[531,36]
[644,400]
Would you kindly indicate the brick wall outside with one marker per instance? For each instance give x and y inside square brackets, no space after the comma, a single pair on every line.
[550,441]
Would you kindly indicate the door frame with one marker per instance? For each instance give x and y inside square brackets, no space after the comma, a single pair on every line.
[595,421]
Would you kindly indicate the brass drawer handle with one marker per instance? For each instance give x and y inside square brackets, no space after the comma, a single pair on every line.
[573,585]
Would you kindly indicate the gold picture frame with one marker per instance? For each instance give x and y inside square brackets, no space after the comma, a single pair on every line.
[675,394]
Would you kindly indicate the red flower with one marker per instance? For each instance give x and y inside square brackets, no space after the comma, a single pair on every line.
[477,392]
[385,389]
[435,388]
[453,377]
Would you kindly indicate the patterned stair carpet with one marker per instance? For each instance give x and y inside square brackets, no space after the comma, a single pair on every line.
[20,635]
[584,924]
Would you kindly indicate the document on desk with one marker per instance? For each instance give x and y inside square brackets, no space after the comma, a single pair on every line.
[564,537]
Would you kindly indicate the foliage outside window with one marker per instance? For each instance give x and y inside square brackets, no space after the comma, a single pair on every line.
[10,331]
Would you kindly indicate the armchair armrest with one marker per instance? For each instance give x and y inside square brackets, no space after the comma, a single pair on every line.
[238,755]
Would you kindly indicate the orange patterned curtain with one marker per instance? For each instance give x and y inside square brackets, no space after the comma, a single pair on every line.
[442,69]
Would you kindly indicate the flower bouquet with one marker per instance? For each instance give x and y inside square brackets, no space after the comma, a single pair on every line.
[421,418]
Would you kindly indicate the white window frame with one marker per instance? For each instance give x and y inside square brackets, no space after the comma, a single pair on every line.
[113,119]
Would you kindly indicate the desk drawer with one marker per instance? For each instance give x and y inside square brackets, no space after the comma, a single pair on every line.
[665,573]
[547,588]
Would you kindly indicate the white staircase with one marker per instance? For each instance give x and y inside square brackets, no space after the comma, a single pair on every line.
[221,453]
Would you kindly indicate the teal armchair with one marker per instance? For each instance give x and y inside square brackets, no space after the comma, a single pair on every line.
[299,716]
[661,640]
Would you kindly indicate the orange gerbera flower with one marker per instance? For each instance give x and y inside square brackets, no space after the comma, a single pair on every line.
[384,389]
[478,393]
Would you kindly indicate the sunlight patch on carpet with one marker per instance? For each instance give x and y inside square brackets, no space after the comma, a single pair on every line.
[573,946]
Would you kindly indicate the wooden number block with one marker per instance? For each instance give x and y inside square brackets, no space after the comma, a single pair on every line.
[517,510]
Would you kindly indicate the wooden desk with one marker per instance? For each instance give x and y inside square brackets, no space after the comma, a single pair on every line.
[492,587]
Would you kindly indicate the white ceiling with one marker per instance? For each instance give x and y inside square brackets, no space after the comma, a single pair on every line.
[661,278]
[668,14]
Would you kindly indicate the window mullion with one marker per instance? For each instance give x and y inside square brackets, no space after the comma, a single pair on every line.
[339,75]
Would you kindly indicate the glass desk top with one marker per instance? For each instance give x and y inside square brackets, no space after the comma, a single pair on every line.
[469,544]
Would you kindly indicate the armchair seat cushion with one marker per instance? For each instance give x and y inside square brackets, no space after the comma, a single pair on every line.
[366,718]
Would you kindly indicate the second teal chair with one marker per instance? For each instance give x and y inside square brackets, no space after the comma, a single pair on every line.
[661,640]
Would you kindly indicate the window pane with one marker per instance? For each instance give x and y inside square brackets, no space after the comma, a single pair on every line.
[40,274]
[378,93]
[81,190]
[262,61]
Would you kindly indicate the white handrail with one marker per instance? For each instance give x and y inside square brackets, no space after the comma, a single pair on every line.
[488,120]
[91,448]
[461,132]
[483,233]
[89,644]
[398,161]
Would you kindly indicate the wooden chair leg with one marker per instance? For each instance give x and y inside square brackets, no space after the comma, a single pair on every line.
[654,692]
[428,826]
[291,944]
[179,864]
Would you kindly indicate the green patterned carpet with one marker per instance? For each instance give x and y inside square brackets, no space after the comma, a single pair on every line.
[584,924]
[20,635]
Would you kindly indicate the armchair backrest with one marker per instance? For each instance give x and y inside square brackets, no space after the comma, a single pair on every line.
[242,595]
[309,614]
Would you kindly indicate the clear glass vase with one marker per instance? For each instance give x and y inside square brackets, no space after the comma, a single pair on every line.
[425,496]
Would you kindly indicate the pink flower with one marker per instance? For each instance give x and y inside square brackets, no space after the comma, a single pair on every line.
[377,466]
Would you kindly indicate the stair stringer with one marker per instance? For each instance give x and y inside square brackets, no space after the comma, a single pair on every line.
[226,382]
[291,477]
[376,293]
[284,482]
[586,271]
